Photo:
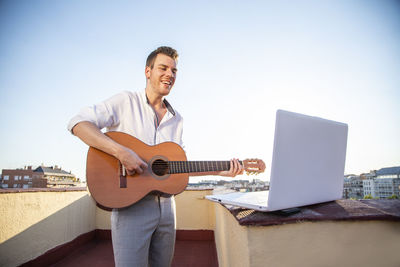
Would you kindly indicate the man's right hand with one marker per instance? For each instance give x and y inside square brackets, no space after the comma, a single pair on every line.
[92,136]
[131,161]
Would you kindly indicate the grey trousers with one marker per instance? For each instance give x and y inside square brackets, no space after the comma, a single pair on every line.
[144,233]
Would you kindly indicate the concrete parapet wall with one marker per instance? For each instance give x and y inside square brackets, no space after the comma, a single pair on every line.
[326,243]
[32,223]
[342,233]
[193,212]
[231,239]
[352,242]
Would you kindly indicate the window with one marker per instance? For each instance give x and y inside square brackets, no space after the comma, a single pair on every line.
[6,177]
[5,185]
[25,186]
[15,185]
[26,177]
[16,178]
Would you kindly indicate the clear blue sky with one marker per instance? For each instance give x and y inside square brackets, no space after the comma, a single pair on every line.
[239,62]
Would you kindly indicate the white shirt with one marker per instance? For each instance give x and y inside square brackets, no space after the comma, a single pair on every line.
[130,112]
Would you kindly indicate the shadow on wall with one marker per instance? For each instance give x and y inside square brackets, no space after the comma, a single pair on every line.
[58,228]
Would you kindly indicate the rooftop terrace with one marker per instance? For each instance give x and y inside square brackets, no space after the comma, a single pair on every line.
[64,227]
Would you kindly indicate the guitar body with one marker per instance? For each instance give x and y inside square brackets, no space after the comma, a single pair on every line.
[103,173]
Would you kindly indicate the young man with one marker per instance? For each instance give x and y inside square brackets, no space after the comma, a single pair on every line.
[144,233]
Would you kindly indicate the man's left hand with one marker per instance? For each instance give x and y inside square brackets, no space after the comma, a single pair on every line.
[235,169]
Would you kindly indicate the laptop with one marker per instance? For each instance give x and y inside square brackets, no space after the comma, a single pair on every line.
[308,163]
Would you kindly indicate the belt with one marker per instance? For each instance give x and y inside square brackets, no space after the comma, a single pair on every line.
[160,194]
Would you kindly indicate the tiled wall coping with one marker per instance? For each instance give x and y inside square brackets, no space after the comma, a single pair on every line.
[340,210]
[28,190]
[66,189]
[199,189]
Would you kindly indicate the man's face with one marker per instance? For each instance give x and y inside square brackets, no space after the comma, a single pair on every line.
[163,74]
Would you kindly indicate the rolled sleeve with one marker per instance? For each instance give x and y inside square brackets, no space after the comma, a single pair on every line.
[104,114]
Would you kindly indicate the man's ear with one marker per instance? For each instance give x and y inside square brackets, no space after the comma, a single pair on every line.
[147,72]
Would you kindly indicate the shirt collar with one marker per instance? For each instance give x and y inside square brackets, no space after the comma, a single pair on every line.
[169,107]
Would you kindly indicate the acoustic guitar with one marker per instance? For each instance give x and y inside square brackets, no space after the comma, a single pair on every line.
[167,172]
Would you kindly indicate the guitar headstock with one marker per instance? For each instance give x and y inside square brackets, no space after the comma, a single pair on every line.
[253,166]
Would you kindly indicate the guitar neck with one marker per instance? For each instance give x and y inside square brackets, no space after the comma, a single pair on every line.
[198,166]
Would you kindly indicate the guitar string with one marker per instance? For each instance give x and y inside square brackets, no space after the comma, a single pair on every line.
[187,166]
[190,166]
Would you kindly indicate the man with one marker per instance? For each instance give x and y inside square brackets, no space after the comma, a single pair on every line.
[144,233]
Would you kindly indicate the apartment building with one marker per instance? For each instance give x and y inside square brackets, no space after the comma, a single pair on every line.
[22,178]
[353,186]
[385,184]
[41,177]
[56,177]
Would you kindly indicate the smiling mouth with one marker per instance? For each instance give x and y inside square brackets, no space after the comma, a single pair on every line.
[167,83]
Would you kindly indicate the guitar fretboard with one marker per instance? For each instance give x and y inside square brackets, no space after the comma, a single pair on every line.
[198,166]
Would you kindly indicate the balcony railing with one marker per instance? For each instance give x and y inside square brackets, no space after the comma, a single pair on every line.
[35,224]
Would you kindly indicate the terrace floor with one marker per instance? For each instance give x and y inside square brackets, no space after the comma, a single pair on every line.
[99,252]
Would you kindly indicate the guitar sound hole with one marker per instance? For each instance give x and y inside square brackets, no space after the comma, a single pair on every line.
[160,167]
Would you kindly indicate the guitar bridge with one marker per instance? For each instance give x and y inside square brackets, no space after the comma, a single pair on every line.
[122,176]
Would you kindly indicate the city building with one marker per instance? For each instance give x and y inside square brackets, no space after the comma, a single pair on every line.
[22,178]
[386,183]
[353,186]
[41,177]
[56,177]
[235,185]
